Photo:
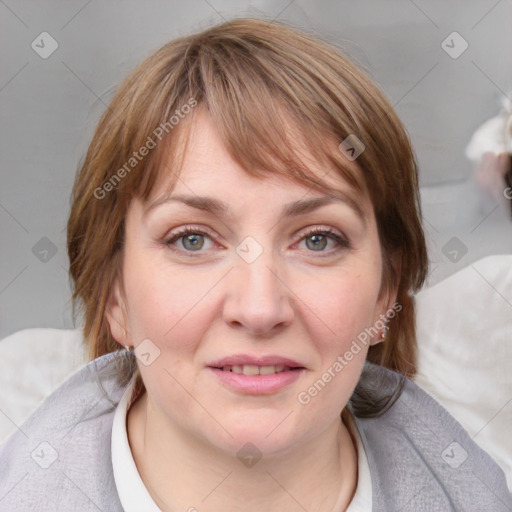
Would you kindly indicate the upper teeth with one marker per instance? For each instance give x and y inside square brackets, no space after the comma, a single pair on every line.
[249,369]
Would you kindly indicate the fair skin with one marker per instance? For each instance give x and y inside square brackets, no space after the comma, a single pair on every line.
[202,301]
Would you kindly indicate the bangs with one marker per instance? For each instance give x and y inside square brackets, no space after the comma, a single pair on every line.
[284,149]
[270,120]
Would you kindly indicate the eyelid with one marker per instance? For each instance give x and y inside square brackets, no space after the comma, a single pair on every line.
[321,229]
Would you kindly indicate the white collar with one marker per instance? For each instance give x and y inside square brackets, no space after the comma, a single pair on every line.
[363,497]
[131,489]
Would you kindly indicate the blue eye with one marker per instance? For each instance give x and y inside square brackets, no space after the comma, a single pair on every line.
[320,239]
[317,239]
[192,239]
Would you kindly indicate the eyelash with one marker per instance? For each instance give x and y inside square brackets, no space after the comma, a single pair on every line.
[342,242]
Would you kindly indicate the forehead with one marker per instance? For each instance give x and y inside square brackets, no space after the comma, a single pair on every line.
[200,162]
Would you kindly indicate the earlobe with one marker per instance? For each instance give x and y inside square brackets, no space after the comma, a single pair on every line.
[115,313]
[382,332]
[387,313]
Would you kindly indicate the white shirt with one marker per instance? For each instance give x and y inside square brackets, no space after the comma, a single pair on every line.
[135,497]
[362,500]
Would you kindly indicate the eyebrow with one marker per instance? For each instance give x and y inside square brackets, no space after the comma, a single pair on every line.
[300,207]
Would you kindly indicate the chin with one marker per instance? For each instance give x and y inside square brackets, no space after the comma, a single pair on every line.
[257,437]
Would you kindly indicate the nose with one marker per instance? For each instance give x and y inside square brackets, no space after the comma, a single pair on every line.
[259,298]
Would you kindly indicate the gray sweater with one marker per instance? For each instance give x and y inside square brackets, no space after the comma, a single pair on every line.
[420,458]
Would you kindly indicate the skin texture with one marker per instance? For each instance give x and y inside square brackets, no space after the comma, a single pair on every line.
[299,300]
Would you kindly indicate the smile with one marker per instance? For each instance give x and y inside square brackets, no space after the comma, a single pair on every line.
[250,369]
[256,380]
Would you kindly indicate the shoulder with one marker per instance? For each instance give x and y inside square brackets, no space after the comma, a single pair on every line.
[60,457]
[421,458]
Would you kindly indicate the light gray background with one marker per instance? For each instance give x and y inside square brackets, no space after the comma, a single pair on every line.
[49,108]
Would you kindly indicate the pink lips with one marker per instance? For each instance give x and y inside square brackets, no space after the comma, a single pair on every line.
[256,384]
[242,359]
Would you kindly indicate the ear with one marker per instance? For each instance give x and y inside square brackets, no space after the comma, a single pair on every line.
[386,302]
[116,315]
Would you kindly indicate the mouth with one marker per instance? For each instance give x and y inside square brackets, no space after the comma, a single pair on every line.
[252,379]
[256,374]
[252,370]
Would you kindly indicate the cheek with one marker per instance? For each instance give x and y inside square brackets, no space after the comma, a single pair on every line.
[343,307]
[338,319]
[166,305]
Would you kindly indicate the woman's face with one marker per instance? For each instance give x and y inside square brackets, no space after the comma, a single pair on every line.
[251,286]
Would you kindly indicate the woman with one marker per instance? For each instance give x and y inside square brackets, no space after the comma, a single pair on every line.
[246,225]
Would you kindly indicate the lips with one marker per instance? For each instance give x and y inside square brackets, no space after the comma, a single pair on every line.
[262,361]
[256,375]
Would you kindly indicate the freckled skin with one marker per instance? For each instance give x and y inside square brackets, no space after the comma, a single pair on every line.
[291,301]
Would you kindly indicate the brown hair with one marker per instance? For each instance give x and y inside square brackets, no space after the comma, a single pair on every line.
[250,76]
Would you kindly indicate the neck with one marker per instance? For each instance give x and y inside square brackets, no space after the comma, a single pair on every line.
[181,472]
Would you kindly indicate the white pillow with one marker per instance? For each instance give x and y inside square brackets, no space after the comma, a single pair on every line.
[464,326]
[33,362]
